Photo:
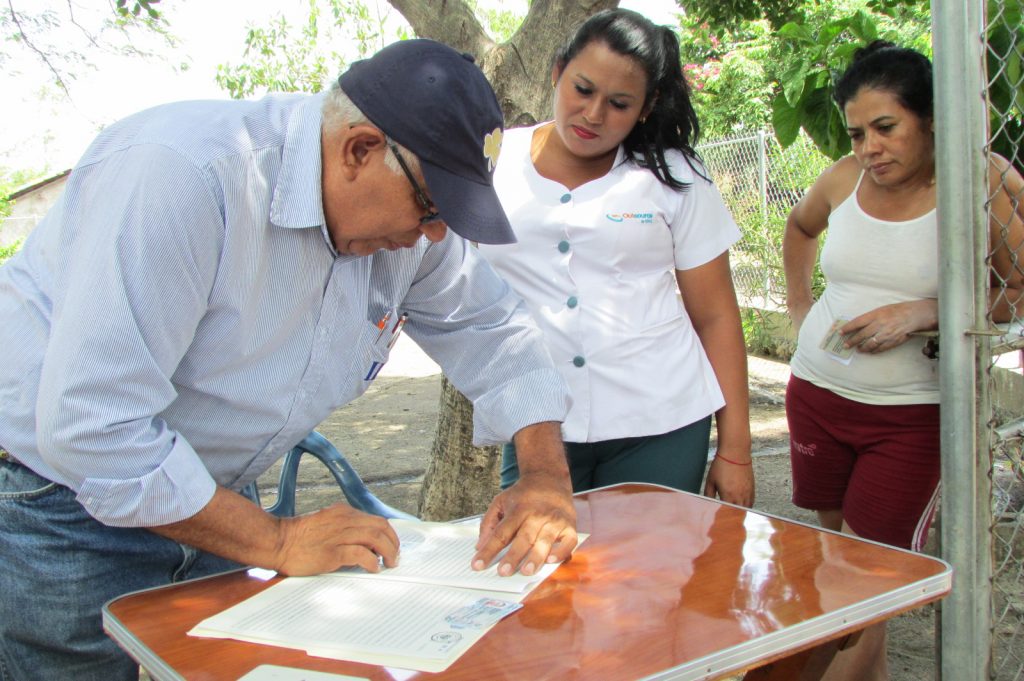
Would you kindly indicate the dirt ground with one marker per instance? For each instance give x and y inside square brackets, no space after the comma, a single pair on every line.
[387,435]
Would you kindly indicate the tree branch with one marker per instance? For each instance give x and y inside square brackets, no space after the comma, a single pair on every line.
[23,36]
[74,22]
[449,21]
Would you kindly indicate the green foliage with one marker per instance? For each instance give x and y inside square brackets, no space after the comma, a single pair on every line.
[797,166]
[815,53]
[10,181]
[760,205]
[500,24]
[896,8]
[732,89]
[7,251]
[762,334]
[761,245]
[815,57]
[728,15]
[278,57]
[281,57]
[751,73]
[1005,61]
[137,8]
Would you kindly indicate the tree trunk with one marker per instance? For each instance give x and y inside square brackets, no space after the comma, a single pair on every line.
[461,479]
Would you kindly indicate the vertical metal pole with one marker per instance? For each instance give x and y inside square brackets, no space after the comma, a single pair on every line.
[762,188]
[960,134]
[762,172]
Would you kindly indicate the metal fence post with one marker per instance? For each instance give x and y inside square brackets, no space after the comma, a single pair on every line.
[960,167]
[762,173]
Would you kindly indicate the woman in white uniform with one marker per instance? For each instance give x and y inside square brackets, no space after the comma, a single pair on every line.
[615,216]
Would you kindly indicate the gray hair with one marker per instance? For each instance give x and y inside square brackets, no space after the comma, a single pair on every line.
[338,111]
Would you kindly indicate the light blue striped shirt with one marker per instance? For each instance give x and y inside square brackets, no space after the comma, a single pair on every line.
[179,320]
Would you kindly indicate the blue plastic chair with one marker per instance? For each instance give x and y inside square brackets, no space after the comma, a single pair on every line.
[355,490]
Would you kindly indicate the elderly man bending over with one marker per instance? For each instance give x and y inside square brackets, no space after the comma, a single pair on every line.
[217,278]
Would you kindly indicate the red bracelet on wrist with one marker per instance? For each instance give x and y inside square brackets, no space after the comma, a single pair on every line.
[734,463]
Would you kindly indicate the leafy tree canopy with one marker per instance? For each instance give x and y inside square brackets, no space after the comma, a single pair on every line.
[752,73]
[730,75]
[284,57]
[808,44]
[728,15]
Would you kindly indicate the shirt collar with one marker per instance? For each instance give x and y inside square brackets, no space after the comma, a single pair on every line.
[298,198]
[620,157]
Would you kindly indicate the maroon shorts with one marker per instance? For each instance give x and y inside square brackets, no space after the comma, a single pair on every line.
[879,464]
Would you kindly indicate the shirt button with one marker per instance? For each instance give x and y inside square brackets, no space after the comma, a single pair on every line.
[578,361]
[563,246]
[572,302]
[566,198]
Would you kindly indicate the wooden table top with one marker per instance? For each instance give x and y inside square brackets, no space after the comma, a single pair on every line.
[669,585]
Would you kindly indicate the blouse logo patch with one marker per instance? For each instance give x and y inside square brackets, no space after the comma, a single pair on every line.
[492,148]
[643,218]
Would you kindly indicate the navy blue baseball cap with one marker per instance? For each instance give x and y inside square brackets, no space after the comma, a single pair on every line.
[436,103]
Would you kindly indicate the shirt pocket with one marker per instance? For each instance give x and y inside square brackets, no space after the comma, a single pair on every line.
[376,342]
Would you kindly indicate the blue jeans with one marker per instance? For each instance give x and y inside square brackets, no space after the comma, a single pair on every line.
[58,566]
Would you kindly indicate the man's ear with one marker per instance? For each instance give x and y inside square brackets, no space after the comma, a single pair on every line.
[358,143]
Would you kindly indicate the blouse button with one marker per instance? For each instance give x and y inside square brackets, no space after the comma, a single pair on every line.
[566,198]
[563,246]
[572,302]
[578,361]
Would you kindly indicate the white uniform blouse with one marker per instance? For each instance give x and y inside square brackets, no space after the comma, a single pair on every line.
[596,266]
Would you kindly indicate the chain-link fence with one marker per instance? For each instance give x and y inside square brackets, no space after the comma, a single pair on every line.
[760,182]
[1004,259]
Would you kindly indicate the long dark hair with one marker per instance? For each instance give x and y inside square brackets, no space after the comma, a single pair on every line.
[905,73]
[672,121]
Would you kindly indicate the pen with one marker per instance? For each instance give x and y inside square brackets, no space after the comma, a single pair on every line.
[383,323]
[395,332]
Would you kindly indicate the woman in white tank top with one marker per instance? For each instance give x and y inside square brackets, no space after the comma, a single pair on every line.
[863,401]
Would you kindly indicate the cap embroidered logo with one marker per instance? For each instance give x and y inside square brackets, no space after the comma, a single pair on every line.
[492,148]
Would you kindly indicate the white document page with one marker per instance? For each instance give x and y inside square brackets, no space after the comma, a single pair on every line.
[390,623]
[442,553]
[421,615]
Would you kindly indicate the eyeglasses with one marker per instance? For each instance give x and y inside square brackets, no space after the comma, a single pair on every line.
[431,215]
